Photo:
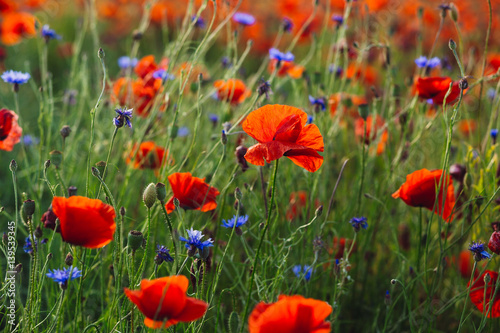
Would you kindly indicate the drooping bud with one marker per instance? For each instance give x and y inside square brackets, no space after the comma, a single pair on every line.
[95,172]
[319,211]
[65,131]
[457,172]
[13,166]
[135,239]
[101,165]
[149,195]
[69,259]
[72,190]
[240,157]
[38,232]
[237,193]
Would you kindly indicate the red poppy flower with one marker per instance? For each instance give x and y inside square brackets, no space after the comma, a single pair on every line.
[85,222]
[286,68]
[371,131]
[419,190]
[164,302]
[465,264]
[10,132]
[192,193]
[290,314]
[281,130]
[435,88]
[148,156]
[15,26]
[232,90]
[477,294]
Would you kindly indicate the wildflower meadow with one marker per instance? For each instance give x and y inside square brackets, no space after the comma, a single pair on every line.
[283,166]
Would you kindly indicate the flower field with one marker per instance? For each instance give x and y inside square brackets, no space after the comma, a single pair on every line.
[287,166]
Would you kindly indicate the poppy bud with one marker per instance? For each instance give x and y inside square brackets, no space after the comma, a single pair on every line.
[46,165]
[453,12]
[101,165]
[29,207]
[494,243]
[13,166]
[364,111]
[135,239]
[487,278]
[56,158]
[69,259]
[177,203]
[95,172]
[100,53]
[122,211]
[18,268]
[205,253]
[137,35]
[161,192]
[457,172]
[173,131]
[65,131]
[452,45]
[463,83]
[237,193]
[240,157]
[72,190]
[234,322]
[149,195]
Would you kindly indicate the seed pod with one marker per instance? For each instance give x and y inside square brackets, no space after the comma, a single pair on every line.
[149,195]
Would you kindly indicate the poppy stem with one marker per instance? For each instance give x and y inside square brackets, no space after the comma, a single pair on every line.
[257,253]
[107,159]
[467,296]
[262,182]
[169,224]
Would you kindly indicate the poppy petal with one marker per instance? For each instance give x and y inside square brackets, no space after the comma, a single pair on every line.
[311,137]
[308,159]
[193,310]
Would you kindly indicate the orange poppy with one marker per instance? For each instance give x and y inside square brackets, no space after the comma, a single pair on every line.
[419,190]
[7,6]
[286,68]
[371,131]
[281,130]
[232,90]
[435,88]
[164,302]
[290,314]
[10,132]
[365,73]
[348,102]
[15,26]
[467,126]
[85,222]
[192,193]
[148,156]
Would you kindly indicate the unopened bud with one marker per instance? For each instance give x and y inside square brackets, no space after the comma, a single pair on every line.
[56,157]
[46,165]
[487,278]
[149,195]
[237,193]
[13,166]
[68,260]
[29,207]
[95,172]
[161,192]
[177,203]
[319,211]
[452,45]
[223,138]
[364,111]
[122,211]
[101,165]
[65,131]
[135,239]
[18,269]
[454,12]
[100,53]
[38,232]
[72,190]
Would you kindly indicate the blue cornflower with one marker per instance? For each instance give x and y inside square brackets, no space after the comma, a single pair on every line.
[494,133]
[162,254]
[300,271]
[422,61]
[358,223]
[318,102]
[230,223]
[226,62]
[335,69]
[213,118]
[339,19]
[287,24]
[491,93]
[194,241]
[127,62]
[162,74]
[244,18]
[29,140]
[477,248]
[280,56]
[183,132]
[15,78]
[49,34]
[264,88]
[123,117]
[28,244]
[310,119]
[199,23]
[62,276]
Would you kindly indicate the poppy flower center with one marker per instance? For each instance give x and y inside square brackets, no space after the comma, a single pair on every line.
[5,124]
[19,28]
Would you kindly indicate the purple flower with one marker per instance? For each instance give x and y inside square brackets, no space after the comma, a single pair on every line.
[162,74]
[183,132]
[318,102]
[125,62]
[424,62]
[231,222]
[62,276]
[479,252]
[358,223]
[287,24]
[244,18]
[162,254]
[194,240]
[123,117]
[339,19]
[304,272]
[49,34]
[199,23]
[280,56]
[14,77]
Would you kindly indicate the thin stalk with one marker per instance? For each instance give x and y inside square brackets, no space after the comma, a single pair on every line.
[467,296]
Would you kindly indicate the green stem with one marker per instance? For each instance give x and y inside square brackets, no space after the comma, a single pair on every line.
[107,159]
[263,235]
[466,297]
[169,224]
